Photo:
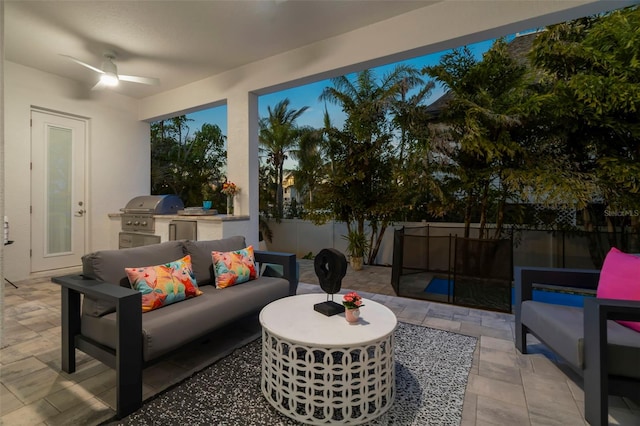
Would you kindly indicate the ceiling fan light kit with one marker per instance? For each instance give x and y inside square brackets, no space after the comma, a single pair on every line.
[109,79]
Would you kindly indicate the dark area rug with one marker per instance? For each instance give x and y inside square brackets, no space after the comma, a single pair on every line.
[432,367]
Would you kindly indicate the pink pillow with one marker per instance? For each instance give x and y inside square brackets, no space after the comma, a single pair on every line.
[620,279]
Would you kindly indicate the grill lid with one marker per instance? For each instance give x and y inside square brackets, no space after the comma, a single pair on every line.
[154,204]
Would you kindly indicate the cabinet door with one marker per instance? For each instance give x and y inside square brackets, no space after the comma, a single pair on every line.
[183,230]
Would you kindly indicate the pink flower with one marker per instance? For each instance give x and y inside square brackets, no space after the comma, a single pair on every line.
[352,300]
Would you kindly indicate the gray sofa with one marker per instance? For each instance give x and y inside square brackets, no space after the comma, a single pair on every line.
[110,326]
[604,352]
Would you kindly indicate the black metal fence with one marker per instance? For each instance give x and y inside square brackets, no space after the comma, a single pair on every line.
[435,263]
[463,271]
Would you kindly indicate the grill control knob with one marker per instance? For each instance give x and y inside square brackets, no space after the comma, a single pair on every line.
[143,223]
[136,223]
[128,222]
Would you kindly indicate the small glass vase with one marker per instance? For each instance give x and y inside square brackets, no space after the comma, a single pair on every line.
[352,315]
[230,205]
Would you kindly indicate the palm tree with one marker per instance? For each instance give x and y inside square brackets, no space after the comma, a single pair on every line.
[310,163]
[278,136]
[406,110]
[361,186]
[367,101]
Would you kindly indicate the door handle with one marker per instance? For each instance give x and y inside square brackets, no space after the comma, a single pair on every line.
[80,213]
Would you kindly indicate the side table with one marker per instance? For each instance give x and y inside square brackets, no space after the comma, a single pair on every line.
[322,370]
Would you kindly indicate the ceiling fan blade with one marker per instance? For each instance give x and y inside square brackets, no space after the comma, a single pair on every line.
[78,61]
[135,79]
[100,85]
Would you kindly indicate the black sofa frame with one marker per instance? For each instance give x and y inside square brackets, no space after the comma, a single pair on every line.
[598,384]
[126,359]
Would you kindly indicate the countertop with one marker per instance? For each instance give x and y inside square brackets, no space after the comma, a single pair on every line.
[198,217]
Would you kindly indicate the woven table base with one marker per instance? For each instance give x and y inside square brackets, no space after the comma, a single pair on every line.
[328,385]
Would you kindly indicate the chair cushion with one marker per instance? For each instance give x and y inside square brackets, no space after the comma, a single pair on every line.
[200,252]
[562,329]
[620,279]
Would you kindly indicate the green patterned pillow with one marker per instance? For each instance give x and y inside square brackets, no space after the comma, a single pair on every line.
[162,285]
[234,267]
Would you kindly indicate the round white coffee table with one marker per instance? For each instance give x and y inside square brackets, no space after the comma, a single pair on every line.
[323,370]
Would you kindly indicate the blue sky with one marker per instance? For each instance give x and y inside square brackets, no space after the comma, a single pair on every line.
[308,95]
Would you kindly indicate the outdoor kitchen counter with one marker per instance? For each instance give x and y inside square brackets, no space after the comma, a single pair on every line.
[213,217]
[210,227]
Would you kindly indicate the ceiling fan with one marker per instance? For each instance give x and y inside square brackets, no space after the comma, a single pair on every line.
[109,73]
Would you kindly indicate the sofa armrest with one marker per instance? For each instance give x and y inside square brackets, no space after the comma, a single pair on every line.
[596,378]
[95,289]
[524,279]
[127,357]
[288,262]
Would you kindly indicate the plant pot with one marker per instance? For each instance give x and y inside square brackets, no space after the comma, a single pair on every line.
[356,263]
[352,315]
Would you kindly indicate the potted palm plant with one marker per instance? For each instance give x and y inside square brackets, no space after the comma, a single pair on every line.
[357,245]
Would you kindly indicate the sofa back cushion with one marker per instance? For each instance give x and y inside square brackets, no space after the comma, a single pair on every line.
[201,260]
[109,266]
[620,279]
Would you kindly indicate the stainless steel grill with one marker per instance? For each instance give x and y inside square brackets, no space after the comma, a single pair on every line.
[137,215]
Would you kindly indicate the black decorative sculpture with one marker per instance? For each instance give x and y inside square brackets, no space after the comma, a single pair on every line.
[331,267]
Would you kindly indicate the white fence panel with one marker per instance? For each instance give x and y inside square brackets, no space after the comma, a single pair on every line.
[303,237]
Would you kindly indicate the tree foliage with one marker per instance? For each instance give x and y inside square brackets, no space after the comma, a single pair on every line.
[490,100]
[279,134]
[360,183]
[591,78]
[558,127]
[310,170]
[187,165]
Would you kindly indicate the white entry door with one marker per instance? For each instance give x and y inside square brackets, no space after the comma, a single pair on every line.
[58,208]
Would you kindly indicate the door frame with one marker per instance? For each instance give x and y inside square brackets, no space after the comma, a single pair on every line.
[86,193]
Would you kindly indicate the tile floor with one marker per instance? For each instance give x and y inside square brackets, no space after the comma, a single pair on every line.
[504,387]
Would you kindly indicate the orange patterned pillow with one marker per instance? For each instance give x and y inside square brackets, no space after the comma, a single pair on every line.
[234,267]
[162,285]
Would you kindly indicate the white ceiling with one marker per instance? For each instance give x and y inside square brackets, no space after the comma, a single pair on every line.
[178,41]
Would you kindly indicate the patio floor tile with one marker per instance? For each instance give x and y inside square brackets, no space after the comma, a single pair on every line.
[504,387]
[495,412]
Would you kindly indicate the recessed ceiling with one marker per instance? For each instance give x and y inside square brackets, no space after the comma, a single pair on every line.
[177,41]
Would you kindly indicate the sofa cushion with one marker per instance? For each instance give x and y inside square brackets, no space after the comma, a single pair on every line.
[175,325]
[620,279]
[234,267]
[562,329]
[109,266]
[162,285]
[200,252]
